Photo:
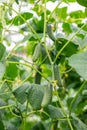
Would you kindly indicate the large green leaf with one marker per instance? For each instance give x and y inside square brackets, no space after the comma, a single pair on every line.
[35,96]
[55,112]
[77,14]
[79,125]
[20,92]
[82,3]
[79,63]
[69,50]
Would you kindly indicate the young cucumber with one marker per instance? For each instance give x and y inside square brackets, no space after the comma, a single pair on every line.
[57,75]
[47,95]
[38,76]
[37,52]
[50,32]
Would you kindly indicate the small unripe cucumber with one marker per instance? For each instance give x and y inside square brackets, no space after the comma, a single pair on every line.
[37,52]
[38,76]
[57,75]
[50,32]
[47,95]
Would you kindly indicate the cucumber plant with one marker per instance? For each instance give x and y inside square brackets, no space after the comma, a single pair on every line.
[43,70]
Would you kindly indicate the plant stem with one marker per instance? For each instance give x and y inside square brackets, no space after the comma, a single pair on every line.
[3,107]
[68,120]
[45,33]
[68,42]
[54,9]
[25,115]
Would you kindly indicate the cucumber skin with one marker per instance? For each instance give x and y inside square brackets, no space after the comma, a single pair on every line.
[57,75]
[38,76]
[47,96]
[50,33]
[37,52]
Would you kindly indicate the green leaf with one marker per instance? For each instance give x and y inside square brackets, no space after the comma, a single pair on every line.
[2,126]
[10,126]
[79,125]
[38,126]
[20,92]
[21,18]
[11,71]
[79,63]
[62,13]
[55,112]
[67,28]
[35,96]
[69,50]
[82,3]
[79,14]
[2,69]
[2,51]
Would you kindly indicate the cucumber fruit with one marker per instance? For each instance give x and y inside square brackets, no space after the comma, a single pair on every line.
[38,76]
[50,32]
[47,95]
[37,52]
[57,76]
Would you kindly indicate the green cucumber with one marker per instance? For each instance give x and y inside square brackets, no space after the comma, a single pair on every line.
[57,76]
[38,76]
[47,95]
[37,52]
[50,32]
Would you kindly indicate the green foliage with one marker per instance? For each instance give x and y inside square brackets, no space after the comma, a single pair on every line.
[21,92]
[35,96]
[79,125]
[2,69]
[43,65]
[83,3]
[55,112]
[2,51]
[1,126]
[78,62]
[18,20]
